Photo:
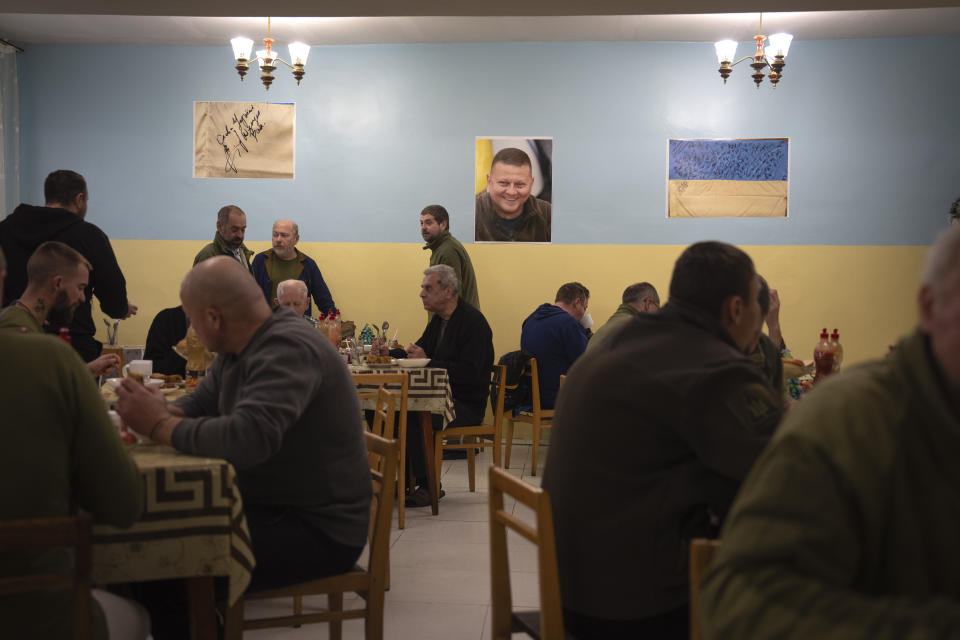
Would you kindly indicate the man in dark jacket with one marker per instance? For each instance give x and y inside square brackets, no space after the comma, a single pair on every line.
[167,329]
[554,336]
[62,219]
[459,340]
[655,430]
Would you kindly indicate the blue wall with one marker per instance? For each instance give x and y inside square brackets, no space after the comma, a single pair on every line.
[384,130]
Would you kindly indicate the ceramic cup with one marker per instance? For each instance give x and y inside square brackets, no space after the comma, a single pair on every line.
[143,367]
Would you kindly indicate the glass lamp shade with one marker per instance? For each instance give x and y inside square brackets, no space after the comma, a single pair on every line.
[779,43]
[299,52]
[262,57]
[726,50]
[242,47]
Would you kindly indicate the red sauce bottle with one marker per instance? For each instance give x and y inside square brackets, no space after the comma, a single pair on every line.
[823,357]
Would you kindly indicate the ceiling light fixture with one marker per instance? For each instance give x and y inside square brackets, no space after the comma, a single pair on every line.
[776,51]
[267,59]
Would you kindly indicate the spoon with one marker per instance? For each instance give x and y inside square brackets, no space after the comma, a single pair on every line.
[384,327]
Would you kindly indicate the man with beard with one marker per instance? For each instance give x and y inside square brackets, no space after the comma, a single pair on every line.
[445,249]
[228,241]
[63,218]
[56,279]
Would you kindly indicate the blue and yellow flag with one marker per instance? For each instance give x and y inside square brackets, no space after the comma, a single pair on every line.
[728,178]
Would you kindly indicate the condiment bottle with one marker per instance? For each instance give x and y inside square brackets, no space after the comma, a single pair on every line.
[332,329]
[823,357]
[837,350]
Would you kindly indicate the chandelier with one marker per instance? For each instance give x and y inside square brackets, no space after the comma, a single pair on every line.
[267,58]
[773,56]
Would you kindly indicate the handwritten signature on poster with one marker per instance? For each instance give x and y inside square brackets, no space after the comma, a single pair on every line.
[237,137]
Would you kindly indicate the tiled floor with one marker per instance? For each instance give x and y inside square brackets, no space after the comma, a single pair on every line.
[440,566]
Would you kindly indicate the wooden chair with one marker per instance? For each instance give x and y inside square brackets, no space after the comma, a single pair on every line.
[369,583]
[369,381]
[537,418]
[546,624]
[476,436]
[53,533]
[702,551]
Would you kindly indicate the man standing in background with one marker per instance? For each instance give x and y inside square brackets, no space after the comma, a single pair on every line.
[285,262]
[62,219]
[228,241]
[445,249]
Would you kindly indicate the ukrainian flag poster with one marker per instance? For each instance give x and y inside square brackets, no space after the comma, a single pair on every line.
[745,178]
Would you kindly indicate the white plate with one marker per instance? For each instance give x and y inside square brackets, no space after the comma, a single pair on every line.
[413,363]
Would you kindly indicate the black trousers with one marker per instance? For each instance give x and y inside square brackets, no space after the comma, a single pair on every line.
[288,549]
[673,625]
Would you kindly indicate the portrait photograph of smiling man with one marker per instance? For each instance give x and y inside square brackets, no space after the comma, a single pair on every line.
[513,189]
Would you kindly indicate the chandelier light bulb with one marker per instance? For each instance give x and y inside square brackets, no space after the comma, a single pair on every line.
[263,59]
[298,52]
[726,50]
[779,44]
[241,47]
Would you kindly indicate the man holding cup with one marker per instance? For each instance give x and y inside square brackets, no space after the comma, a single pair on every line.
[280,405]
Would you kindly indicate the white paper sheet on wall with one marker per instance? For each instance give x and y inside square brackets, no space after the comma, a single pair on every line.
[243,140]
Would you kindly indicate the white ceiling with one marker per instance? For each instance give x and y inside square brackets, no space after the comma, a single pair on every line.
[27,29]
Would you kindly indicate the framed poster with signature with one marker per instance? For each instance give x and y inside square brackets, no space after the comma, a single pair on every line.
[243,140]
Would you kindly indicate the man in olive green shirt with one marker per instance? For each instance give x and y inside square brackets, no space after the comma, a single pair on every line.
[638,298]
[847,526]
[228,241]
[57,276]
[445,249]
[60,451]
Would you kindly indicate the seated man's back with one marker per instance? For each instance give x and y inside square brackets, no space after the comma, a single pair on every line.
[285,412]
[655,430]
[59,451]
[554,336]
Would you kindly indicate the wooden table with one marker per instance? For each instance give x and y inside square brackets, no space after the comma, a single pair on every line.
[192,527]
[428,393]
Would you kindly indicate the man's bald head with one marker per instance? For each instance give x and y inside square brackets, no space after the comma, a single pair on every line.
[224,304]
[224,284]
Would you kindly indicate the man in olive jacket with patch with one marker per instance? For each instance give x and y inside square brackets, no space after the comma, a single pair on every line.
[228,241]
[654,432]
[848,524]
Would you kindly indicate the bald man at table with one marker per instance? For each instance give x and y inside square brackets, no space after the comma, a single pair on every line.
[280,405]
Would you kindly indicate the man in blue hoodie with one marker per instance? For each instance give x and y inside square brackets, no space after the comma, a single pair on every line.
[554,336]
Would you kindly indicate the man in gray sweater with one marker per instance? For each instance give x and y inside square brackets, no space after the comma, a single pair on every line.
[279,404]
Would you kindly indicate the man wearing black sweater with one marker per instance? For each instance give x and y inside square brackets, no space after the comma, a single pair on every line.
[459,340]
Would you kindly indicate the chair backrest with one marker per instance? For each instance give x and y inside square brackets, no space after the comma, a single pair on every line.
[383,413]
[53,533]
[551,614]
[702,551]
[498,391]
[531,370]
[383,472]
[368,383]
